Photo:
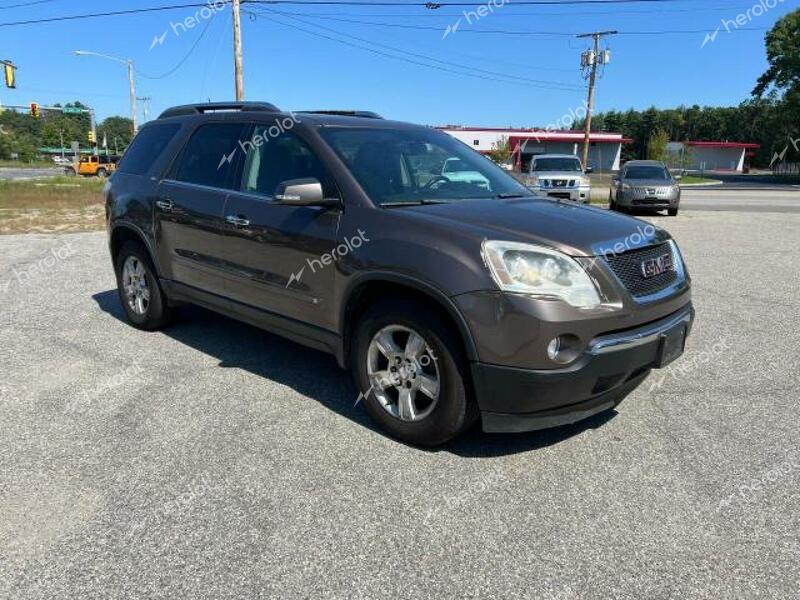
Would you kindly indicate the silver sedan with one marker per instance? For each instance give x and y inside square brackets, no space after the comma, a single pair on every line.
[645,184]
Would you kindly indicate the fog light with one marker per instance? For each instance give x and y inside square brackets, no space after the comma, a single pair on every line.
[553,347]
[564,349]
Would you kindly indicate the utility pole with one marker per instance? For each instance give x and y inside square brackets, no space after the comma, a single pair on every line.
[133,95]
[589,61]
[145,107]
[237,51]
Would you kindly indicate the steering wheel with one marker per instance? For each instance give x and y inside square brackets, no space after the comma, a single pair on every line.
[435,180]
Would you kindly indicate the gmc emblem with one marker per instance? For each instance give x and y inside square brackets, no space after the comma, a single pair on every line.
[656,266]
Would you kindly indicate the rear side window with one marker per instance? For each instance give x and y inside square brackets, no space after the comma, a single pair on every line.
[208,156]
[146,147]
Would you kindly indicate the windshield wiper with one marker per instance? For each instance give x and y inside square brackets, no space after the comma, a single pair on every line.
[415,202]
[507,196]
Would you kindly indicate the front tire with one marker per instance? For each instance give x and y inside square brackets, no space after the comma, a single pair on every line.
[411,373]
[141,295]
[672,212]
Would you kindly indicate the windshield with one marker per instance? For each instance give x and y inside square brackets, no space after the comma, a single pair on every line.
[556,164]
[659,173]
[417,165]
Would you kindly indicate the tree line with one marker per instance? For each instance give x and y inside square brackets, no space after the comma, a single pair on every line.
[22,134]
[770,117]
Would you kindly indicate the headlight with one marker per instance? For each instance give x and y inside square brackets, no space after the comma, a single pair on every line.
[544,182]
[626,187]
[539,271]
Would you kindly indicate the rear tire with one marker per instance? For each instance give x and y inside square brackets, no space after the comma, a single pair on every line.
[381,344]
[140,293]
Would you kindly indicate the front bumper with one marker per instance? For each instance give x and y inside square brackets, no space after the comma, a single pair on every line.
[513,399]
[660,199]
[576,194]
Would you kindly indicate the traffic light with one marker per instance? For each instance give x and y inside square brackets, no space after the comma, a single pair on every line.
[11,74]
[35,110]
[92,137]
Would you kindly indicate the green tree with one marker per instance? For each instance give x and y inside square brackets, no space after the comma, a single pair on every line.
[783,56]
[501,150]
[657,145]
[115,128]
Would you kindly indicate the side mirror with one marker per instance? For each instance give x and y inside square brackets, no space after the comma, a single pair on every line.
[588,170]
[301,192]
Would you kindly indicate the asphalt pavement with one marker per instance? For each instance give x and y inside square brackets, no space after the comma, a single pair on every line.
[213,460]
[21,174]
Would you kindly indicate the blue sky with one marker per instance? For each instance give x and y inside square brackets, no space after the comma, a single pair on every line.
[297,70]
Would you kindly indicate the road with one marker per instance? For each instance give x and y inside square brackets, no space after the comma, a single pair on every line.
[20,174]
[781,200]
[212,460]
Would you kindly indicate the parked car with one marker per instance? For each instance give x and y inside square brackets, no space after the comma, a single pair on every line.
[455,169]
[645,184]
[451,302]
[96,165]
[62,161]
[559,176]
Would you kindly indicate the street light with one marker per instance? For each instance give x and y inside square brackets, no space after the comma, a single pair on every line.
[124,61]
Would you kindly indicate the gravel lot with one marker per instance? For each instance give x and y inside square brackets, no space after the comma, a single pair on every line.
[213,460]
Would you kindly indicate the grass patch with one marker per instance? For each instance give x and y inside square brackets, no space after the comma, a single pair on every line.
[56,204]
[694,179]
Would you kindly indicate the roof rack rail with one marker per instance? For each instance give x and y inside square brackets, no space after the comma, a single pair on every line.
[199,109]
[367,114]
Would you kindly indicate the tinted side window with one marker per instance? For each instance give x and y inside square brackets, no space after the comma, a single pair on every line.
[208,157]
[271,160]
[146,147]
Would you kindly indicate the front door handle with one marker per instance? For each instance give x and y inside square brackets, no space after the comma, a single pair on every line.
[238,221]
[166,205]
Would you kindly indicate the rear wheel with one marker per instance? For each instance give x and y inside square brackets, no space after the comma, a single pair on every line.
[412,374]
[142,297]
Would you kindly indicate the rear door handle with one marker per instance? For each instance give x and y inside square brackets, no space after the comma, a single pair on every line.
[166,205]
[238,221]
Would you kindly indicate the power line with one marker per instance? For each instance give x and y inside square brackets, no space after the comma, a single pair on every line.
[518,31]
[186,56]
[446,69]
[560,84]
[427,5]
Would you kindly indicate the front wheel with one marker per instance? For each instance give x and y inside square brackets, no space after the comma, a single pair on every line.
[672,212]
[411,374]
[142,298]
[102,173]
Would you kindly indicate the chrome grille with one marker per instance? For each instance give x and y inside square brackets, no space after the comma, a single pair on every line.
[628,268]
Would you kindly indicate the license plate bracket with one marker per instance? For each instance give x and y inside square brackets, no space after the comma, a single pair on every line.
[671,346]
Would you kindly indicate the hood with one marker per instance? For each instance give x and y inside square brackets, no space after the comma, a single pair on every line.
[558,174]
[571,228]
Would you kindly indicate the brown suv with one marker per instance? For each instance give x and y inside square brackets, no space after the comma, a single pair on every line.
[451,300]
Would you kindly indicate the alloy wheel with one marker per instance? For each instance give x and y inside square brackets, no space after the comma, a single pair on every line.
[403,373]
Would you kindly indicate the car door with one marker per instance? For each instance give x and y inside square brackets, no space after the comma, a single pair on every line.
[281,257]
[189,224]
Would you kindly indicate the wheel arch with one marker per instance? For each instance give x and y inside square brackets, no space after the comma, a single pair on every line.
[126,232]
[367,289]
